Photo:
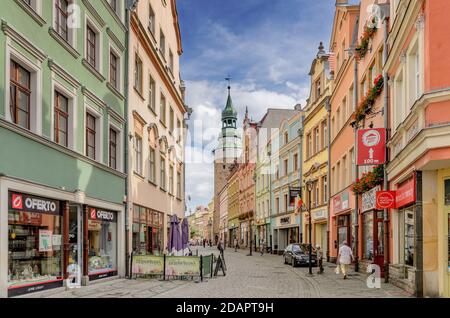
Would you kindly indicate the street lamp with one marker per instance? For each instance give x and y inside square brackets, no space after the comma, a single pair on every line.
[309,186]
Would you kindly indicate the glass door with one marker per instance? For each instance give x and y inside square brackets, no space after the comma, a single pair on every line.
[378,241]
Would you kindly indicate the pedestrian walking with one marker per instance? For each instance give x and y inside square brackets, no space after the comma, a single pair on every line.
[236,244]
[261,247]
[345,258]
[319,253]
[204,243]
[220,248]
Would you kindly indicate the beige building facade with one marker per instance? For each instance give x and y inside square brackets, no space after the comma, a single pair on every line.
[155,133]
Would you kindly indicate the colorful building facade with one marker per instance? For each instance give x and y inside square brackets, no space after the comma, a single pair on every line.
[62,93]
[315,151]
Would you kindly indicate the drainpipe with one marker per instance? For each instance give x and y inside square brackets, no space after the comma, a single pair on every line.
[355,90]
[328,108]
[386,124]
[130,6]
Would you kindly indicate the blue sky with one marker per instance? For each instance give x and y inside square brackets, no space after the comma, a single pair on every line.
[267,47]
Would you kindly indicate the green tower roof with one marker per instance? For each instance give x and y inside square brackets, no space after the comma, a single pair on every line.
[229,111]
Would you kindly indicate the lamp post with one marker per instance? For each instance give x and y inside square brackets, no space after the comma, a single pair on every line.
[309,186]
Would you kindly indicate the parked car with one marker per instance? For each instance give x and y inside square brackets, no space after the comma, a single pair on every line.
[298,254]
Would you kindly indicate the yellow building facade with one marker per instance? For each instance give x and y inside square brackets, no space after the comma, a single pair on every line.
[315,152]
[233,204]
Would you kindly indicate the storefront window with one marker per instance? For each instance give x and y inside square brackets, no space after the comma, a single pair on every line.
[102,235]
[368,236]
[34,240]
[407,247]
[147,231]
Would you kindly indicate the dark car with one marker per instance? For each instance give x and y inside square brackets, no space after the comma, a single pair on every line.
[298,254]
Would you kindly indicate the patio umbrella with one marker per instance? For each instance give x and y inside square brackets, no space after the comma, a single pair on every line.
[185,236]
[175,246]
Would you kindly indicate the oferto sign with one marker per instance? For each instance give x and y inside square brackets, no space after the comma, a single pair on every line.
[29,203]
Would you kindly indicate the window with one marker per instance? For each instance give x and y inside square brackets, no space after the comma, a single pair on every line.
[368,236]
[162,110]
[286,203]
[343,50]
[316,139]
[295,162]
[344,111]
[179,130]
[113,70]
[138,73]
[91,46]
[277,205]
[171,61]
[309,145]
[407,223]
[171,120]
[316,193]
[152,94]
[351,99]
[318,89]
[417,75]
[372,75]
[338,62]
[138,154]
[333,180]
[171,179]
[152,165]
[325,189]
[162,44]
[178,184]
[345,171]
[286,137]
[163,173]
[333,128]
[338,120]
[398,96]
[113,148]
[20,95]
[62,15]
[338,176]
[61,119]
[90,136]
[352,164]
[286,163]
[151,20]
[364,88]
[324,134]
[277,172]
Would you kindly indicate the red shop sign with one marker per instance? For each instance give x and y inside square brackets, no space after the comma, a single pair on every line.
[406,193]
[371,146]
[385,200]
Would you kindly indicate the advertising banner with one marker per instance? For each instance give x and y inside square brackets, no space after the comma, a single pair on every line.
[148,265]
[45,241]
[371,146]
[182,266]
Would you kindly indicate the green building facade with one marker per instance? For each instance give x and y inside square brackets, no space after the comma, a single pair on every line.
[62,132]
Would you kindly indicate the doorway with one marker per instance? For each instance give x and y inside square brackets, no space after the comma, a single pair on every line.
[378,240]
[75,235]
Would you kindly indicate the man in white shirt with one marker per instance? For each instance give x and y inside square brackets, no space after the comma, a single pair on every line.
[345,258]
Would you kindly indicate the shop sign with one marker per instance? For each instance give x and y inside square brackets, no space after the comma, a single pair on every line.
[406,193]
[385,200]
[29,203]
[341,202]
[285,220]
[369,199]
[182,266]
[102,215]
[148,265]
[317,215]
[371,146]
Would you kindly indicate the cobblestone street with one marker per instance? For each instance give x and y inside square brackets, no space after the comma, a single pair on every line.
[247,277]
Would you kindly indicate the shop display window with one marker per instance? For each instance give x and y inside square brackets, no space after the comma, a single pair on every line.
[407,242]
[35,248]
[102,254]
[368,236]
[147,232]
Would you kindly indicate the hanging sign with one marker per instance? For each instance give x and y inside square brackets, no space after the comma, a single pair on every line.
[371,146]
[385,200]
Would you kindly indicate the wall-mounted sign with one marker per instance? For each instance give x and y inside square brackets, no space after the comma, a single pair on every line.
[29,203]
[371,146]
[341,202]
[102,215]
[406,193]
[369,199]
[285,220]
[319,215]
[385,200]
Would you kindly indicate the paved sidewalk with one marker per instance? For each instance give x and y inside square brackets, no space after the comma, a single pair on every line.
[247,277]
